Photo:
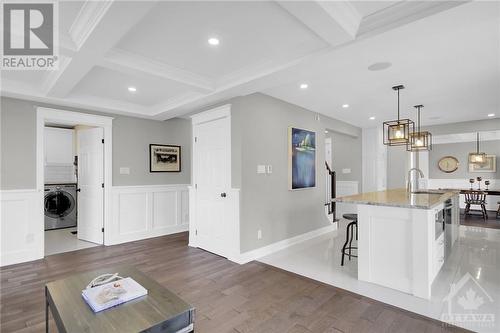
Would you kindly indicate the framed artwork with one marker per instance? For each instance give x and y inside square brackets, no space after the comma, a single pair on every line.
[489,166]
[301,158]
[164,158]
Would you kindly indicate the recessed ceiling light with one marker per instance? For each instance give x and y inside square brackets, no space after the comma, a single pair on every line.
[213,41]
[132,89]
[345,106]
[326,131]
[491,114]
[372,118]
[379,66]
[304,86]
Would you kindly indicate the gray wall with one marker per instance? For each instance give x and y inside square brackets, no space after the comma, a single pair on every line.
[465,127]
[131,139]
[346,154]
[259,136]
[397,166]
[461,152]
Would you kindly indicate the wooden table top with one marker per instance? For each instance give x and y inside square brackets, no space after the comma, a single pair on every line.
[137,315]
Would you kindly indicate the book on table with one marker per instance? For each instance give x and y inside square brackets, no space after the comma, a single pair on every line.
[113,293]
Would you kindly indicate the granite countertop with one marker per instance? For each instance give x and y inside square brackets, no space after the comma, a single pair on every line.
[400,198]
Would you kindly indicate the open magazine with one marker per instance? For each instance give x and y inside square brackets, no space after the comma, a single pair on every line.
[113,293]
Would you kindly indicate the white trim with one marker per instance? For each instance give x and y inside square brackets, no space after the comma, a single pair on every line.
[246,257]
[45,115]
[22,226]
[148,202]
[465,137]
[212,114]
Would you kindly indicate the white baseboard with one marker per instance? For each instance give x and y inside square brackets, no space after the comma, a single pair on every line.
[246,257]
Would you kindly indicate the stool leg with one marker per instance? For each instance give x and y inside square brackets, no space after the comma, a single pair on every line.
[343,247]
[356,230]
[351,225]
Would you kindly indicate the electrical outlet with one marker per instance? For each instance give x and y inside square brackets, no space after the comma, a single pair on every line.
[124,171]
[259,234]
[269,169]
[347,170]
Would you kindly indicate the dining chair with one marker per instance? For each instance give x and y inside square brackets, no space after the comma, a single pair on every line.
[475,198]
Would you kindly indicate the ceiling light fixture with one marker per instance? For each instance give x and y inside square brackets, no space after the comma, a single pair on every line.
[304,86]
[397,132]
[477,157]
[419,140]
[132,89]
[213,41]
[491,114]
[372,118]
[345,106]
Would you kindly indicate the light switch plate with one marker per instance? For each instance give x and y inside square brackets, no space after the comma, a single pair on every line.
[124,171]
[346,170]
[261,169]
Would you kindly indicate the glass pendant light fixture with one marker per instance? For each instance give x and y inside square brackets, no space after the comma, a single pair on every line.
[419,140]
[477,157]
[397,132]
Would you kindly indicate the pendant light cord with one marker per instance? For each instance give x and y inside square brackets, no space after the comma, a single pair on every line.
[398,105]
[477,142]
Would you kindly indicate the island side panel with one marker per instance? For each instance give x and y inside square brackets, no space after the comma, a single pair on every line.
[385,246]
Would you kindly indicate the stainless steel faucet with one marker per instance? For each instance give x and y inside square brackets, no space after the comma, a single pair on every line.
[412,185]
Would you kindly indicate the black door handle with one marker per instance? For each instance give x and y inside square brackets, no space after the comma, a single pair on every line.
[223,194]
[78,189]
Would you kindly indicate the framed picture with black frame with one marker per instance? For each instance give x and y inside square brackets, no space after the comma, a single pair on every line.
[164,158]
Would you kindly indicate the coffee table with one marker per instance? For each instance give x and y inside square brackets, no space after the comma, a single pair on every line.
[159,311]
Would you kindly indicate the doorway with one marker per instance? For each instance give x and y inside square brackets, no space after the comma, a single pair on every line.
[76,205]
[213,203]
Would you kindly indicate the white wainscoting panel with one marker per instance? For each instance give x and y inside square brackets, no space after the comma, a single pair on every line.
[491,200]
[345,188]
[21,227]
[141,212]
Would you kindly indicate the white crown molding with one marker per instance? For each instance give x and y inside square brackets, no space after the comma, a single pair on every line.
[400,14]
[465,137]
[334,22]
[128,62]
[87,19]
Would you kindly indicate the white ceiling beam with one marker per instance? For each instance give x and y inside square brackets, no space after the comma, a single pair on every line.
[335,22]
[402,13]
[98,27]
[133,64]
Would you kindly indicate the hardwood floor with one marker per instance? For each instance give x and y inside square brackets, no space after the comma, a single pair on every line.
[228,297]
[475,219]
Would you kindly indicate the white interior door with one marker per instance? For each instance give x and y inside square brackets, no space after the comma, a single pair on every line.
[90,183]
[212,177]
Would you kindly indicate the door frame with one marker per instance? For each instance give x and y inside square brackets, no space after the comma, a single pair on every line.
[46,115]
[232,252]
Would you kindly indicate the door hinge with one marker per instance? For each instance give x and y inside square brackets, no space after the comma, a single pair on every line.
[195,139]
[102,185]
[102,229]
[102,140]
[196,186]
[196,232]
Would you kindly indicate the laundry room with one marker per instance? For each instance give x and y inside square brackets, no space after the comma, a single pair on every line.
[65,148]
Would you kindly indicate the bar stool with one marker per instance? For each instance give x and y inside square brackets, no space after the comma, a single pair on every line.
[498,211]
[349,236]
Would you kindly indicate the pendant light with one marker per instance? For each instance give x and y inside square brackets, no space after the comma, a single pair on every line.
[477,157]
[397,132]
[419,140]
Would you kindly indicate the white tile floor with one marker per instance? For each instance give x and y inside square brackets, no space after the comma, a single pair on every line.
[477,252]
[62,240]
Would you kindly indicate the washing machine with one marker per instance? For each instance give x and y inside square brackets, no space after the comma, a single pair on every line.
[60,206]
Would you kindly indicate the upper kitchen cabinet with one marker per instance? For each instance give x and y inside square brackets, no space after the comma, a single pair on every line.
[59,146]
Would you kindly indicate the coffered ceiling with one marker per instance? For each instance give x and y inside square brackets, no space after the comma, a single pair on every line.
[161,49]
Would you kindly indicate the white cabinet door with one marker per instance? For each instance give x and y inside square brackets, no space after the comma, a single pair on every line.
[90,185]
[212,176]
[58,146]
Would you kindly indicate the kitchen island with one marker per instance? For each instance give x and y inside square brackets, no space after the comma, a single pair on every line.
[404,238]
